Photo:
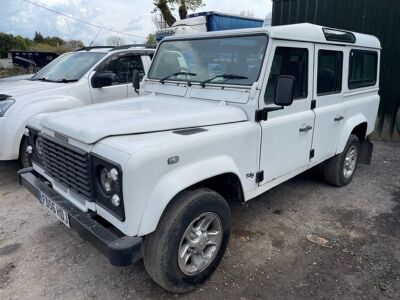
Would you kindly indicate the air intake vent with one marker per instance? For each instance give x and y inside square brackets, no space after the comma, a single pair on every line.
[67,165]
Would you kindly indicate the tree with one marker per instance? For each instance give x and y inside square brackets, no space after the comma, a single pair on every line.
[38,37]
[54,41]
[115,41]
[151,41]
[73,45]
[166,7]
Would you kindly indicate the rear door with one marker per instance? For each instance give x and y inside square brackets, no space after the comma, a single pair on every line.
[329,108]
[287,134]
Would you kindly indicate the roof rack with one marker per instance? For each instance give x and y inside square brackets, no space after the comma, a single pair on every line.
[95,47]
[127,46]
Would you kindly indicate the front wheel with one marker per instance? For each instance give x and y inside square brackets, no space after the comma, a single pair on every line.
[23,155]
[339,170]
[190,240]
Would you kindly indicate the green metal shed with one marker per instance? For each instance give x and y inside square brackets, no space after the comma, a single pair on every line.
[377,17]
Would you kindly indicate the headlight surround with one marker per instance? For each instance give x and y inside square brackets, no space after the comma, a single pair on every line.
[5,105]
[107,181]
[34,140]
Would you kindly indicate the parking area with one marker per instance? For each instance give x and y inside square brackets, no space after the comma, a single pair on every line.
[303,239]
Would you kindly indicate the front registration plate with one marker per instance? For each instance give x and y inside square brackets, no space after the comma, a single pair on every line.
[60,213]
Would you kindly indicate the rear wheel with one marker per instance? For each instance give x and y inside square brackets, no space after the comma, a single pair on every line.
[339,170]
[190,240]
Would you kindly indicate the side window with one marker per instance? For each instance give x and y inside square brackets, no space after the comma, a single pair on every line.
[292,62]
[363,69]
[330,69]
[122,68]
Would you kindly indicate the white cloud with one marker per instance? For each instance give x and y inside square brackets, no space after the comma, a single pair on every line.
[130,16]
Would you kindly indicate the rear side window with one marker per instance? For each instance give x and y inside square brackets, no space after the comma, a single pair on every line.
[330,67]
[291,62]
[363,69]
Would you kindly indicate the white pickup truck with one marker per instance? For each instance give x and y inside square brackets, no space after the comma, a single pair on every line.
[229,116]
[91,75]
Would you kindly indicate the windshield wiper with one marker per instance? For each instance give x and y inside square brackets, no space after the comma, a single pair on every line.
[227,77]
[66,80]
[42,79]
[177,74]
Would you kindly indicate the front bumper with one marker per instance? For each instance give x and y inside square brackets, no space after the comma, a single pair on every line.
[121,251]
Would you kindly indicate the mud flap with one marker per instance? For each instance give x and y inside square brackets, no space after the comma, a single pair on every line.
[366,149]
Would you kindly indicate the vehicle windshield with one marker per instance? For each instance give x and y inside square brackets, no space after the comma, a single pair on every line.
[68,67]
[239,57]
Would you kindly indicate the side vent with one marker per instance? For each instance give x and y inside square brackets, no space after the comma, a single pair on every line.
[189,131]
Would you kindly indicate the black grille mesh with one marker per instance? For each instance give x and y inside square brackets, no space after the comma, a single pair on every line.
[67,165]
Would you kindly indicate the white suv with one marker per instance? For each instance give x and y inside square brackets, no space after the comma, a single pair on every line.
[91,75]
[230,115]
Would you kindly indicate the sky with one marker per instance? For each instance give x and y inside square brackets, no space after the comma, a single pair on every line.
[129,16]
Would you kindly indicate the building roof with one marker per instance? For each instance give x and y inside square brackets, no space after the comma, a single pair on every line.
[304,32]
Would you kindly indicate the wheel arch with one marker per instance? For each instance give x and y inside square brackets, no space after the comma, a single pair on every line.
[218,174]
[357,125]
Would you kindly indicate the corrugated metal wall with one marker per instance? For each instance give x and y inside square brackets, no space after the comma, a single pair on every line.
[377,17]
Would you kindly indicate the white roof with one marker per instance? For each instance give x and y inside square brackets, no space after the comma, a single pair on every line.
[304,32]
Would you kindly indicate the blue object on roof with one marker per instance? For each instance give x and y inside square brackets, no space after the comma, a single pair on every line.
[216,21]
[219,21]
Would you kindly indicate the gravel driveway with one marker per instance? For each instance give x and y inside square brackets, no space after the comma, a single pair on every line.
[303,239]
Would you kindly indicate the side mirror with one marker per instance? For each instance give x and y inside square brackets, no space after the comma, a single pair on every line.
[136,80]
[284,90]
[102,80]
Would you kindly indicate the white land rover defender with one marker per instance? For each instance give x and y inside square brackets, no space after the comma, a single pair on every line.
[88,76]
[229,116]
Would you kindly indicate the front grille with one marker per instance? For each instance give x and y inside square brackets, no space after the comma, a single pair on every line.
[67,165]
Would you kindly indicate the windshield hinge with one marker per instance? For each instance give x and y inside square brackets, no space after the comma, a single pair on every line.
[260,177]
[313,104]
[262,114]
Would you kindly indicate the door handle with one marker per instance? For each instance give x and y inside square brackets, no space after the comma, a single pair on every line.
[339,118]
[305,129]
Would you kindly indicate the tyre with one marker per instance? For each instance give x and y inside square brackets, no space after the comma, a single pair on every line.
[339,170]
[23,155]
[189,242]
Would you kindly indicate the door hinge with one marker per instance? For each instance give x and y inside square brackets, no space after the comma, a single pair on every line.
[312,153]
[313,104]
[260,177]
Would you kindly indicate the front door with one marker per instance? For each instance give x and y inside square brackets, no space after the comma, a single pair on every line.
[329,108]
[121,67]
[287,134]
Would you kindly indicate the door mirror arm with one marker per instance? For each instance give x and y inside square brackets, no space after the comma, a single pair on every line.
[136,81]
[262,114]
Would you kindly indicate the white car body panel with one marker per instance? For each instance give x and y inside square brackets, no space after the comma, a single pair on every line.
[149,114]
[35,97]
[139,136]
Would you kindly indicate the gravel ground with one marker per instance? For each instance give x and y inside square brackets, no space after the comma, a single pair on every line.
[301,240]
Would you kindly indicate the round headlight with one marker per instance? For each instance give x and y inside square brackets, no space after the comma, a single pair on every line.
[115,200]
[114,174]
[26,132]
[105,180]
[38,146]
